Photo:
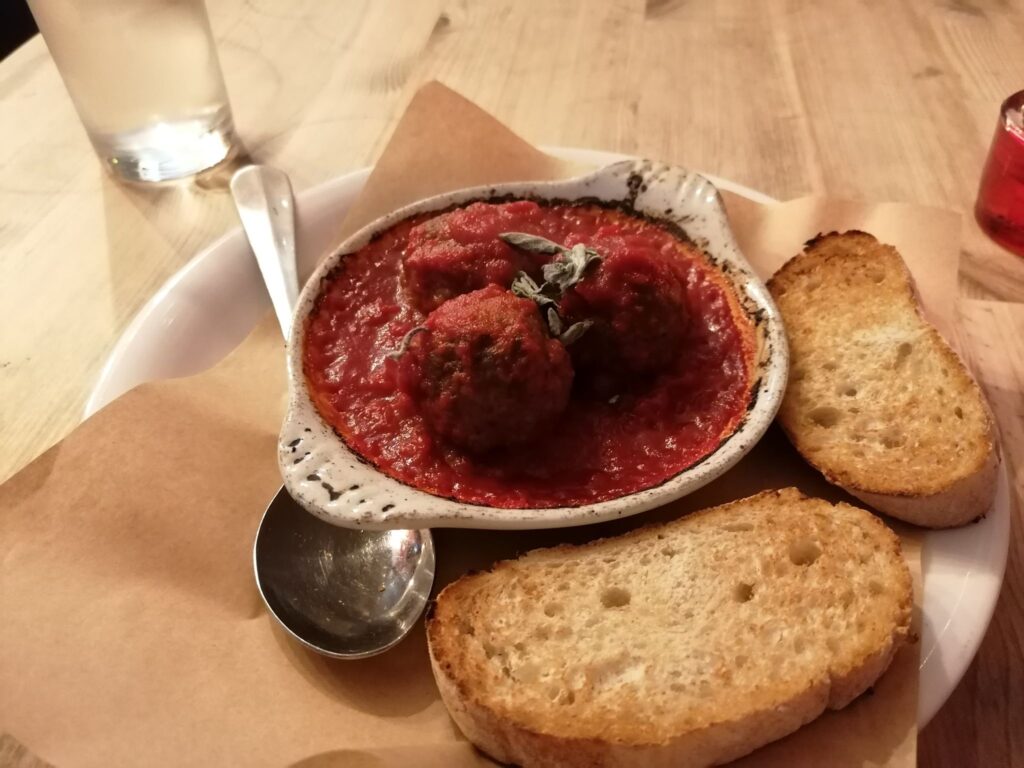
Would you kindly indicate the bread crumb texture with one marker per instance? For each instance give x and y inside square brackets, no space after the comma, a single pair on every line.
[877,399]
[700,639]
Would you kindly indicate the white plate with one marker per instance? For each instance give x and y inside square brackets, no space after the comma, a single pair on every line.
[211,304]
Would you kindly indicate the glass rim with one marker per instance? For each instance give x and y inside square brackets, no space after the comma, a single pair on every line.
[1013,100]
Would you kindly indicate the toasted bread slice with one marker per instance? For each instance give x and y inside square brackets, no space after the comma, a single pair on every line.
[877,400]
[690,643]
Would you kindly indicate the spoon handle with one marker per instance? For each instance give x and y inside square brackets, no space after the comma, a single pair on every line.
[263,197]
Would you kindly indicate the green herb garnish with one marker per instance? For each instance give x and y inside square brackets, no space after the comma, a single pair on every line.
[568,268]
[403,345]
[534,243]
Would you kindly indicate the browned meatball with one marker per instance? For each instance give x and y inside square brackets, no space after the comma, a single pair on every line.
[459,251]
[636,300]
[485,373]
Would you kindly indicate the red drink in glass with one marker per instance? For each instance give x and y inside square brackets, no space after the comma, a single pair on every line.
[1000,205]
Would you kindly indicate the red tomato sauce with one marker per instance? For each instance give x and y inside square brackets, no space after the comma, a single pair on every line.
[600,449]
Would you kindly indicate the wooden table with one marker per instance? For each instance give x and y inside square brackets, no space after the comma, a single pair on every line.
[875,100]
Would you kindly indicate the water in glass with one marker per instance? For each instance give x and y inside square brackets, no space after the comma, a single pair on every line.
[146,81]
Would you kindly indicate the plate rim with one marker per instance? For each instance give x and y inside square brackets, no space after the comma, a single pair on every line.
[962,650]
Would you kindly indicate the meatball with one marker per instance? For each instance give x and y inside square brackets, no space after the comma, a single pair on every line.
[636,301]
[485,373]
[459,251]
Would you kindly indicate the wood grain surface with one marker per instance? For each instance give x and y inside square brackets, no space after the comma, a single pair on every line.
[873,99]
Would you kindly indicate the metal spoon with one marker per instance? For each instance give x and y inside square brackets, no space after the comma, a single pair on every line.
[343,593]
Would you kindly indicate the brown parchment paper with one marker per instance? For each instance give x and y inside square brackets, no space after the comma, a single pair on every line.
[131,632]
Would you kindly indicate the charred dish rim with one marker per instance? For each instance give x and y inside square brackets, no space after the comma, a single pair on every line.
[340,486]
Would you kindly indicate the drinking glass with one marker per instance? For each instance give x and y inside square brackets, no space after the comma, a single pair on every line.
[146,82]
[1000,205]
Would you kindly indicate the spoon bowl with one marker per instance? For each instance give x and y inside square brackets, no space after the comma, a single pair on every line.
[343,593]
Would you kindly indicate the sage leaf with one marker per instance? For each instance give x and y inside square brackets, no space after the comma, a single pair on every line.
[533,243]
[554,322]
[574,332]
[403,346]
[526,287]
[567,271]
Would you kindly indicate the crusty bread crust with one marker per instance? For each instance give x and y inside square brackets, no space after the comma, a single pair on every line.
[920,444]
[477,619]
[964,501]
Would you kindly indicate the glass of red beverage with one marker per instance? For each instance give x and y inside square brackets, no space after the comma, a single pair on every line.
[1000,205]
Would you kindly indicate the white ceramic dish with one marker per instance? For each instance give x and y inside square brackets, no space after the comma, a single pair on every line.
[336,484]
[208,307]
